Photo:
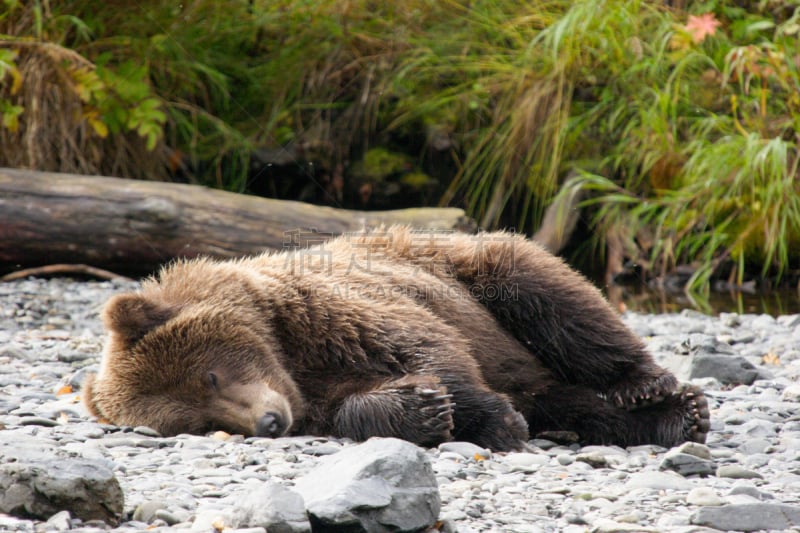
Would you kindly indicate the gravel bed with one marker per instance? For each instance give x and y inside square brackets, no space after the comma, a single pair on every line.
[747,477]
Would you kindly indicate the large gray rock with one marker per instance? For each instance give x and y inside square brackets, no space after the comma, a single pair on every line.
[749,517]
[725,368]
[37,480]
[40,489]
[380,485]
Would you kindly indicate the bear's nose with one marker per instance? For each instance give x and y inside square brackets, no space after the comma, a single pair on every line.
[270,425]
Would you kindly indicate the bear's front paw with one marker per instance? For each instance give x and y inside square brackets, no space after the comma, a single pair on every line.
[416,408]
[427,409]
[437,410]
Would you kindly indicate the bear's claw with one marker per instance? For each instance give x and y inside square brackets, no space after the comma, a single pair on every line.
[636,392]
[698,419]
[437,409]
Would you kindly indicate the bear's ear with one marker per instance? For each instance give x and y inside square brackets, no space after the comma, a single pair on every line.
[132,315]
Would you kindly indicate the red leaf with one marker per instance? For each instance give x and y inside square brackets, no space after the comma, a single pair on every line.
[702,26]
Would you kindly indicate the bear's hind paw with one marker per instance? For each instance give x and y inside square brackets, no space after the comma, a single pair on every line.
[698,418]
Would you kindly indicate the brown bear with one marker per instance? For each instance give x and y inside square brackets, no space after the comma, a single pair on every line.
[424,336]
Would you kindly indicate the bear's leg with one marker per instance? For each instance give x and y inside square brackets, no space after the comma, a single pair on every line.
[485,417]
[418,408]
[560,317]
[681,416]
[414,408]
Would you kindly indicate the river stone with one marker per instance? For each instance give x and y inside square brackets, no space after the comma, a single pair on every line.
[15,351]
[658,481]
[726,368]
[37,421]
[748,517]
[703,496]
[380,485]
[271,506]
[789,321]
[605,525]
[686,464]
[737,472]
[40,489]
[594,459]
[526,462]
[466,450]
[791,393]
[172,517]
[748,489]
[209,519]
[695,448]
[146,511]
[59,522]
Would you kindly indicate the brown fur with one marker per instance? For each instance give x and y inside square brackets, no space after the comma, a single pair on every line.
[422,336]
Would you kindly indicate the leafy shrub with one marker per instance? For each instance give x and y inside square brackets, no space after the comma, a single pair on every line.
[680,122]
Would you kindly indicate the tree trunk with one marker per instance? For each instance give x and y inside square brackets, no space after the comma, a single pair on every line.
[133,227]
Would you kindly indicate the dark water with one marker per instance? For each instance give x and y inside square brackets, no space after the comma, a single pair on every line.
[643,300]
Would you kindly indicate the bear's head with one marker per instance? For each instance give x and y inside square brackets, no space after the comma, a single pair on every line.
[189,369]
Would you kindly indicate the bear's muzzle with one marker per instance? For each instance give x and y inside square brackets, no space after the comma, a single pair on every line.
[271,425]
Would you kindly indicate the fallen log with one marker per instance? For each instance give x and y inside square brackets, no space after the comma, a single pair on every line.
[63,270]
[132,227]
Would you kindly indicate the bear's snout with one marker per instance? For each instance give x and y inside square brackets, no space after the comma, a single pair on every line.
[271,424]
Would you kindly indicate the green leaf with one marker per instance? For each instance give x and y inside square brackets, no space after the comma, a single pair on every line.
[152,139]
[9,67]
[11,115]
[98,126]
[760,25]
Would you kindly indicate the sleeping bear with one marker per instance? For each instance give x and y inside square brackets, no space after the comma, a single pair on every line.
[425,336]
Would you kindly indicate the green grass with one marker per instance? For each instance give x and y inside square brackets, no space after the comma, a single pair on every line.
[687,150]
[706,158]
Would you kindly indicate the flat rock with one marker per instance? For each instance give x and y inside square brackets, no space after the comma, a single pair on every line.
[467,450]
[723,367]
[59,522]
[272,506]
[749,517]
[791,393]
[86,488]
[526,462]
[737,472]
[754,446]
[380,485]
[703,496]
[694,448]
[658,481]
[597,460]
[748,489]
[605,525]
[146,511]
[686,464]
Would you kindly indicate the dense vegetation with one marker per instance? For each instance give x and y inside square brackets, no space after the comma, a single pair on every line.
[679,121]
